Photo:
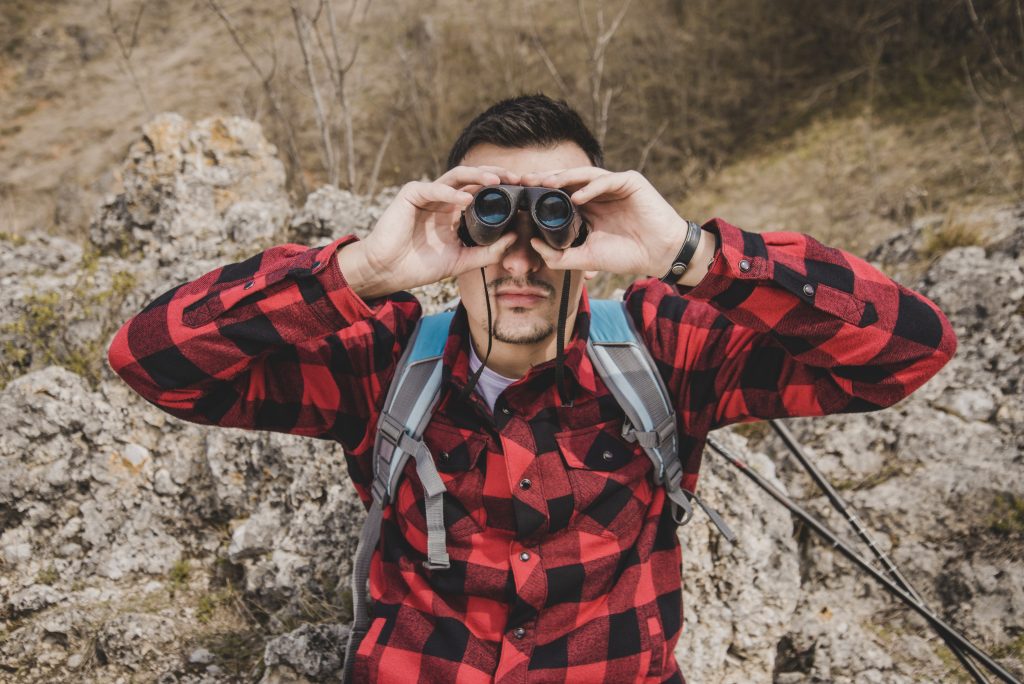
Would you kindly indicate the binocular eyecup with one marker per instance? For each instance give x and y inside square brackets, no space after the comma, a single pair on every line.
[494,207]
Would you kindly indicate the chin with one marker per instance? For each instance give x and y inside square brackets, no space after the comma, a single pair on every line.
[524,333]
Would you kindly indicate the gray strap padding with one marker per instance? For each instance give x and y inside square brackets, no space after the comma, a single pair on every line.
[433,488]
[621,366]
[627,368]
[410,401]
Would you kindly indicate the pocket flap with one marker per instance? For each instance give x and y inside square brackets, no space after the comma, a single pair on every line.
[596,448]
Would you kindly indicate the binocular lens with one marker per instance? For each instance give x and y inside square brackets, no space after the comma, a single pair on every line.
[492,206]
[553,210]
[492,214]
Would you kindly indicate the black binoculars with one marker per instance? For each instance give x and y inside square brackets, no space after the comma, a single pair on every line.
[490,215]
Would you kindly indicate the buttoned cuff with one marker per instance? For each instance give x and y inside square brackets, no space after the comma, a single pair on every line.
[345,302]
[739,255]
[744,261]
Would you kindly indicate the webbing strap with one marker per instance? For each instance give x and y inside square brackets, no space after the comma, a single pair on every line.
[368,539]
[653,439]
[433,489]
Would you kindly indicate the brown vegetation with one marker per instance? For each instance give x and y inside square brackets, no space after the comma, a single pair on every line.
[366,94]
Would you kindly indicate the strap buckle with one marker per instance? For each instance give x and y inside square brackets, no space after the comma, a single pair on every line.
[391,429]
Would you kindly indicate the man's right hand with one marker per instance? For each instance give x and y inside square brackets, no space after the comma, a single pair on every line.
[415,241]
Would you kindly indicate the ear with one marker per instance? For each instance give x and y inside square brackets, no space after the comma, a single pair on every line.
[587,275]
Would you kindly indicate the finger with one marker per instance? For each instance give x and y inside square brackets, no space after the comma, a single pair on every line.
[479,257]
[574,258]
[571,179]
[423,195]
[507,176]
[616,185]
[465,175]
[534,177]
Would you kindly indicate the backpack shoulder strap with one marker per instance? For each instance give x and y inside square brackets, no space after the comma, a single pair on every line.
[624,363]
[407,409]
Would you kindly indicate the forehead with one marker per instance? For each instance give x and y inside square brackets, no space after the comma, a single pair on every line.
[564,155]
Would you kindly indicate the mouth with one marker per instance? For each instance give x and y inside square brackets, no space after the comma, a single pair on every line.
[515,297]
[519,300]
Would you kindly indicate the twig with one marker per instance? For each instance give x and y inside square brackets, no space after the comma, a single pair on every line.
[321,119]
[650,144]
[981,103]
[598,44]
[339,85]
[979,26]
[126,50]
[266,79]
[545,57]
[380,156]
[413,89]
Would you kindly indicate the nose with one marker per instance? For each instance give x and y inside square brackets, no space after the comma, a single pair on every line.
[521,258]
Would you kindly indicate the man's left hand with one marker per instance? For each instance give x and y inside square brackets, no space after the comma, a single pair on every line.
[633,230]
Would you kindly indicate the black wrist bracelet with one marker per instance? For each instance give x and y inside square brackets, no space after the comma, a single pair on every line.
[682,260]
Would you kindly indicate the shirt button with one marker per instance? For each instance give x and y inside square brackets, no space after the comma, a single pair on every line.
[525,483]
[607,456]
[744,265]
[808,290]
[248,284]
[444,456]
[524,556]
[518,632]
[507,411]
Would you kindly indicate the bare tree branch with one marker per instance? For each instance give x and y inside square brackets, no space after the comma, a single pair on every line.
[546,58]
[379,158]
[266,79]
[650,145]
[302,33]
[417,108]
[126,49]
[980,101]
[599,99]
[979,26]
[339,84]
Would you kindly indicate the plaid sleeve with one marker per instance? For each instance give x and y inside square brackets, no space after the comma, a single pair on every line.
[276,342]
[783,325]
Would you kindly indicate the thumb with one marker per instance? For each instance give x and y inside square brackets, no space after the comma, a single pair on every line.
[558,259]
[479,257]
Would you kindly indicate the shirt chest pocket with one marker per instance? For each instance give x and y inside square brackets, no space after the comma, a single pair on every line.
[457,457]
[610,479]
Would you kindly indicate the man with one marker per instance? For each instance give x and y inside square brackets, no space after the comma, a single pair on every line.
[565,564]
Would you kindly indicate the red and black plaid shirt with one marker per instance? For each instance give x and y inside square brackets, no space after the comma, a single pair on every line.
[565,560]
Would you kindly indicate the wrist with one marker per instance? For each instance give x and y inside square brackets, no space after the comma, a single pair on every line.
[682,250]
[700,264]
[359,271]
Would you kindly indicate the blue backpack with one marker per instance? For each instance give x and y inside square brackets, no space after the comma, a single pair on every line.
[625,365]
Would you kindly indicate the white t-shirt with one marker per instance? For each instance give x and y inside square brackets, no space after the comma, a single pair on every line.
[490,384]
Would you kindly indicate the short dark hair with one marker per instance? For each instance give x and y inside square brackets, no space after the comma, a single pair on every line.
[524,121]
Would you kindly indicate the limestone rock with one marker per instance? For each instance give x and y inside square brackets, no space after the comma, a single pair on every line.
[138,547]
[309,653]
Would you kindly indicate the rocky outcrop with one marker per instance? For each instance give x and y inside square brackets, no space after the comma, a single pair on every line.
[137,547]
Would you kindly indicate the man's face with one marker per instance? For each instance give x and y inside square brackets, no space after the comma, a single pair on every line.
[521,319]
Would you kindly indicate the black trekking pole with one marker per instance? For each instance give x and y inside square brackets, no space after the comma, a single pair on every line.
[837,502]
[944,629]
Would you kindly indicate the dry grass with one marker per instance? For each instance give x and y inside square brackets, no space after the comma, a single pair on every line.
[853,182]
[952,233]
